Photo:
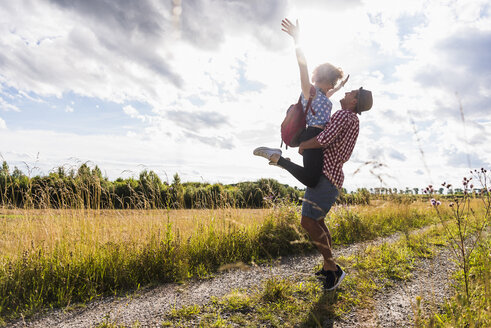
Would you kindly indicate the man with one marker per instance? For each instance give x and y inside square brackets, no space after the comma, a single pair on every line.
[338,141]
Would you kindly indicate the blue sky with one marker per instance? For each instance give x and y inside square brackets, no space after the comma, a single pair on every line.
[192,87]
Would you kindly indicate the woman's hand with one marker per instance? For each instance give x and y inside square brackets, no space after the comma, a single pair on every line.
[291,29]
[345,80]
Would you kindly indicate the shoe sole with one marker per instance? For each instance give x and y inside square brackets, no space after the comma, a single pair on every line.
[338,282]
[258,151]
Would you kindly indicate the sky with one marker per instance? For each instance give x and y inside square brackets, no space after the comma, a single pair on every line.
[193,86]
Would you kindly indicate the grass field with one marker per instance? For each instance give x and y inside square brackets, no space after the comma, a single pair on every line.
[55,258]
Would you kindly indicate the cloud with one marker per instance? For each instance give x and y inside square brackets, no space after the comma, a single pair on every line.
[376,153]
[133,113]
[466,160]
[206,23]
[3,125]
[468,48]
[336,5]
[397,155]
[139,17]
[69,109]
[195,121]
[6,106]
[216,142]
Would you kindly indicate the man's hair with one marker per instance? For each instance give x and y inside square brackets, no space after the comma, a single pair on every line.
[328,73]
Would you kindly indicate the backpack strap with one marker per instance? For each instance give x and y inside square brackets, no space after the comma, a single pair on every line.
[313,91]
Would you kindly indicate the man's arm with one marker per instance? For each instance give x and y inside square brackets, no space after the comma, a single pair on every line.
[309,144]
[328,135]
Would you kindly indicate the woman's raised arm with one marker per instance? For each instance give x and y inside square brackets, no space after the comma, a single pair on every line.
[294,31]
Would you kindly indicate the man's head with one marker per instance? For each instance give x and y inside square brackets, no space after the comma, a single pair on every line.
[357,100]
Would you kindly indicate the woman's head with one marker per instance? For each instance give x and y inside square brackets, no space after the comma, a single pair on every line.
[327,74]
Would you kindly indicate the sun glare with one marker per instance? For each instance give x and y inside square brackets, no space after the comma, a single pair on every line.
[326,37]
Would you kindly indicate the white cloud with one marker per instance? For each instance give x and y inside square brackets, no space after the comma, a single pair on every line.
[3,125]
[133,113]
[69,109]
[6,106]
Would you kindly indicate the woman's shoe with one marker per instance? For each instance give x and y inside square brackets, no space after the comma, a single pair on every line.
[266,152]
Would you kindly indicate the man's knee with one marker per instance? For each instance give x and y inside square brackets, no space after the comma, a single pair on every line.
[307,222]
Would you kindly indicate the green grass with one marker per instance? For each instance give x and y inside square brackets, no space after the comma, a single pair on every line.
[37,278]
[280,302]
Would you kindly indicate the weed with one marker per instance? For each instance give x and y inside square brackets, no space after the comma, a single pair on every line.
[467,221]
[236,302]
[185,312]
[277,290]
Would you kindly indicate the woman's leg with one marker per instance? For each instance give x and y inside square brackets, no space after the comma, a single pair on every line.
[308,174]
[311,171]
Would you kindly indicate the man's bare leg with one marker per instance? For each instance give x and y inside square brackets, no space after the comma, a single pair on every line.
[326,230]
[321,240]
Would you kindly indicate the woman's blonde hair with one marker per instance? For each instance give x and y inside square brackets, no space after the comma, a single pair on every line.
[327,73]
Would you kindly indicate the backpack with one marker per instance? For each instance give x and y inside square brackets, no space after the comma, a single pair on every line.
[295,121]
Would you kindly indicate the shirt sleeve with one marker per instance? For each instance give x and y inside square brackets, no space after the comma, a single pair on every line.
[333,129]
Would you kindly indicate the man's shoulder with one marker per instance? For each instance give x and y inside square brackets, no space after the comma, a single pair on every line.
[345,114]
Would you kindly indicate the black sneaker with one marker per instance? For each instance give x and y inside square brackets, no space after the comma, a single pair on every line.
[321,274]
[330,280]
[334,278]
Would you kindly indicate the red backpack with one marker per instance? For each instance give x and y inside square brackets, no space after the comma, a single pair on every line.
[295,121]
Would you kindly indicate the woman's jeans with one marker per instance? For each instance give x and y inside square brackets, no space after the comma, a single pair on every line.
[311,171]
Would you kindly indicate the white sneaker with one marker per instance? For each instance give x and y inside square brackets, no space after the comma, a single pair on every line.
[266,152]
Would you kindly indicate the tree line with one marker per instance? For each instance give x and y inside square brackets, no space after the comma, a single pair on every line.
[86,187]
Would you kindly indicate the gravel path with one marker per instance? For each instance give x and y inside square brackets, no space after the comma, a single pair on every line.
[148,306]
[395,306]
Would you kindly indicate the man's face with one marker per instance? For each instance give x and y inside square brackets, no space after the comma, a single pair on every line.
[349,100]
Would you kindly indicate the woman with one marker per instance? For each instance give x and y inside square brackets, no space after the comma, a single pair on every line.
[324,78]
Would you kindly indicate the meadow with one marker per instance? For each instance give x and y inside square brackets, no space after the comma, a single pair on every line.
[64,257]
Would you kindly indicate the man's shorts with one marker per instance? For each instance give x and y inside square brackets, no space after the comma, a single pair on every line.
[318,201]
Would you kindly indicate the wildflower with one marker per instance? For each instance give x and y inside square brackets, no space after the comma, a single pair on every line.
[451,204]
[433,202]
[438,203]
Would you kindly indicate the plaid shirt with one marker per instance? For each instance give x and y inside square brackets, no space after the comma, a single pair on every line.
[338,140]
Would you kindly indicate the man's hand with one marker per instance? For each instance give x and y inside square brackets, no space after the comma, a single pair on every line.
[301,148]
[291,29]
[309,144]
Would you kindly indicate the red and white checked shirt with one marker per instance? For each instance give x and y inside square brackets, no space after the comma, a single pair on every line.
[338,140]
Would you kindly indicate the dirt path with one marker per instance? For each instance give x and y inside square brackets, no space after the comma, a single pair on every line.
[149,306]
[395,306]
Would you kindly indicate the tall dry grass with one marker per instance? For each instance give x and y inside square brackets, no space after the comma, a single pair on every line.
[53,258]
